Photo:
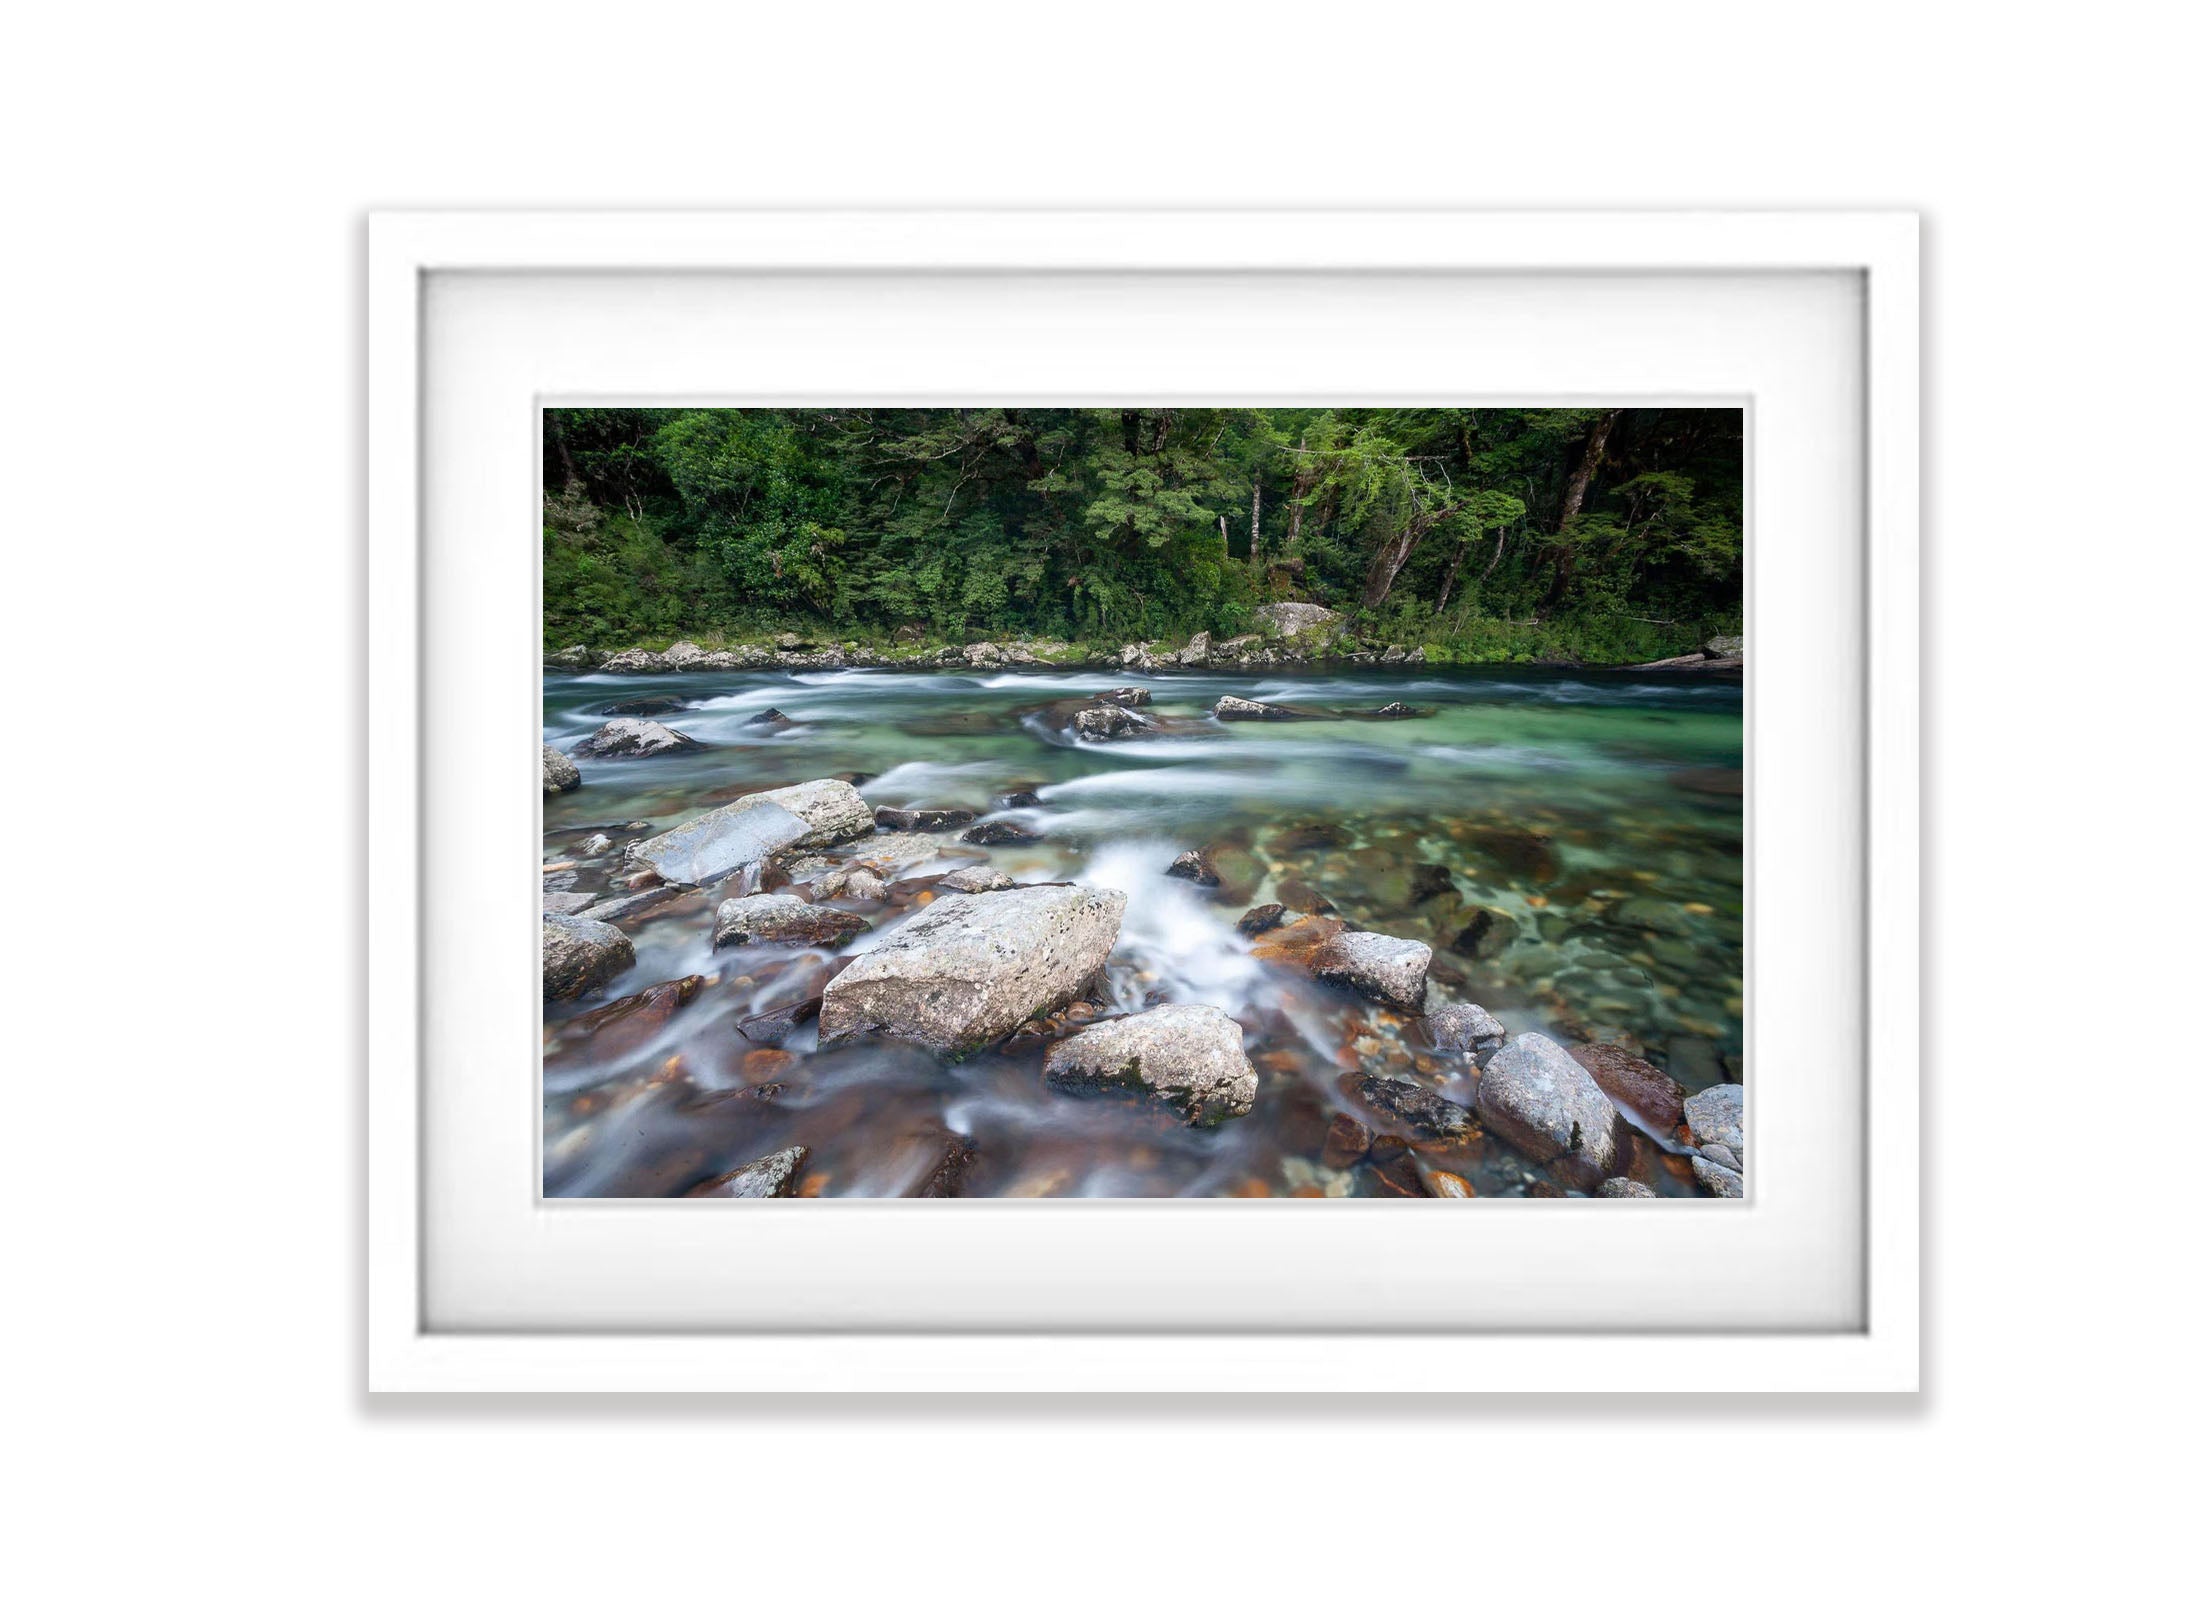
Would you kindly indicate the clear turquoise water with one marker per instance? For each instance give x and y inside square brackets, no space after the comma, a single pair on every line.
[1599,813]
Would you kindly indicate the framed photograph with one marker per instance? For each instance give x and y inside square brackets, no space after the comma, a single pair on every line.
[1143,801]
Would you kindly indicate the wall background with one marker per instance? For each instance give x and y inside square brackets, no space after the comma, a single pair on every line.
[182,486]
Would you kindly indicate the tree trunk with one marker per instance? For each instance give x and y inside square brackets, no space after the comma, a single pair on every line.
[1496,556]
[1392,561]
[1592,457]
[1451,576]
[1252,553]
[1577,490]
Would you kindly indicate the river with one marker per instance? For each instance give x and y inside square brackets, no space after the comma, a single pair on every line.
[1568,841]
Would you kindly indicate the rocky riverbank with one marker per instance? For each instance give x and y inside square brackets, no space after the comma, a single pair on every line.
[1288,634]
[828,939]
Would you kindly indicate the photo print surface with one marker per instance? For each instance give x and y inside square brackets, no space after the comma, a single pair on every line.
[1142,802]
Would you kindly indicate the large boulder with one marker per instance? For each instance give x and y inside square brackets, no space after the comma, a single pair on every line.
[573,658]
[755,828]
[1196,653]
[771,1178]
[1383,968]
[558,774]
[633,736]
[1726,647]
[580,954]
[1544,1103]
[782,919]
[1290,618]
[1231,708]
[1715,1117]
[684,656]
[967,969]
[1189,1059]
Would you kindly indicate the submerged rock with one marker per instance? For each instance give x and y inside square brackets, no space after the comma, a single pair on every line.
[1464,1029]
[1377,965]
[967,969]
[558,774]
[999,833]
[1545,1104]
[771,1178]
[580,954]
[782,919]
[1484,932]
[1403,1101]
[1347,1142]
[769,717]
[977,880]
[628,1023]
[1232,708]
[1290,618]
[648,705]
[1396,708]
[1630,1081]
[1715,1117]
[1390,1162]
[623,737]
[1260,919]
[1020,800]
[1187,1058]
[755,828]
[1194,867]
[922,819]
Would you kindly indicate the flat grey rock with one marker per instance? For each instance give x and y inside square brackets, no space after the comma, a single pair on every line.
[1188,1059]
[755,828]
[1625,1189]
[977,880]
[628,737]
[1394,970]
[1233,708]
[967,969]
[782,919]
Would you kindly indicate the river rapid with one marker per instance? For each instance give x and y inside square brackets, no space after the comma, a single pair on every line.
[1568,842]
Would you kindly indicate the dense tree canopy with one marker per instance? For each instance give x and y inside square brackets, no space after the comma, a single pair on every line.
[1135,523]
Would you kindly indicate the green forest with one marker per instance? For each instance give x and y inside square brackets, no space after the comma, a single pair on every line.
[1483,534]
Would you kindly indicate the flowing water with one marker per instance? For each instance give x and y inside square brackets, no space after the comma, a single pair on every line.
[1569,842]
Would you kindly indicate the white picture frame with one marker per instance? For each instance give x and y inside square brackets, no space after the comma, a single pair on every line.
[410,1222]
